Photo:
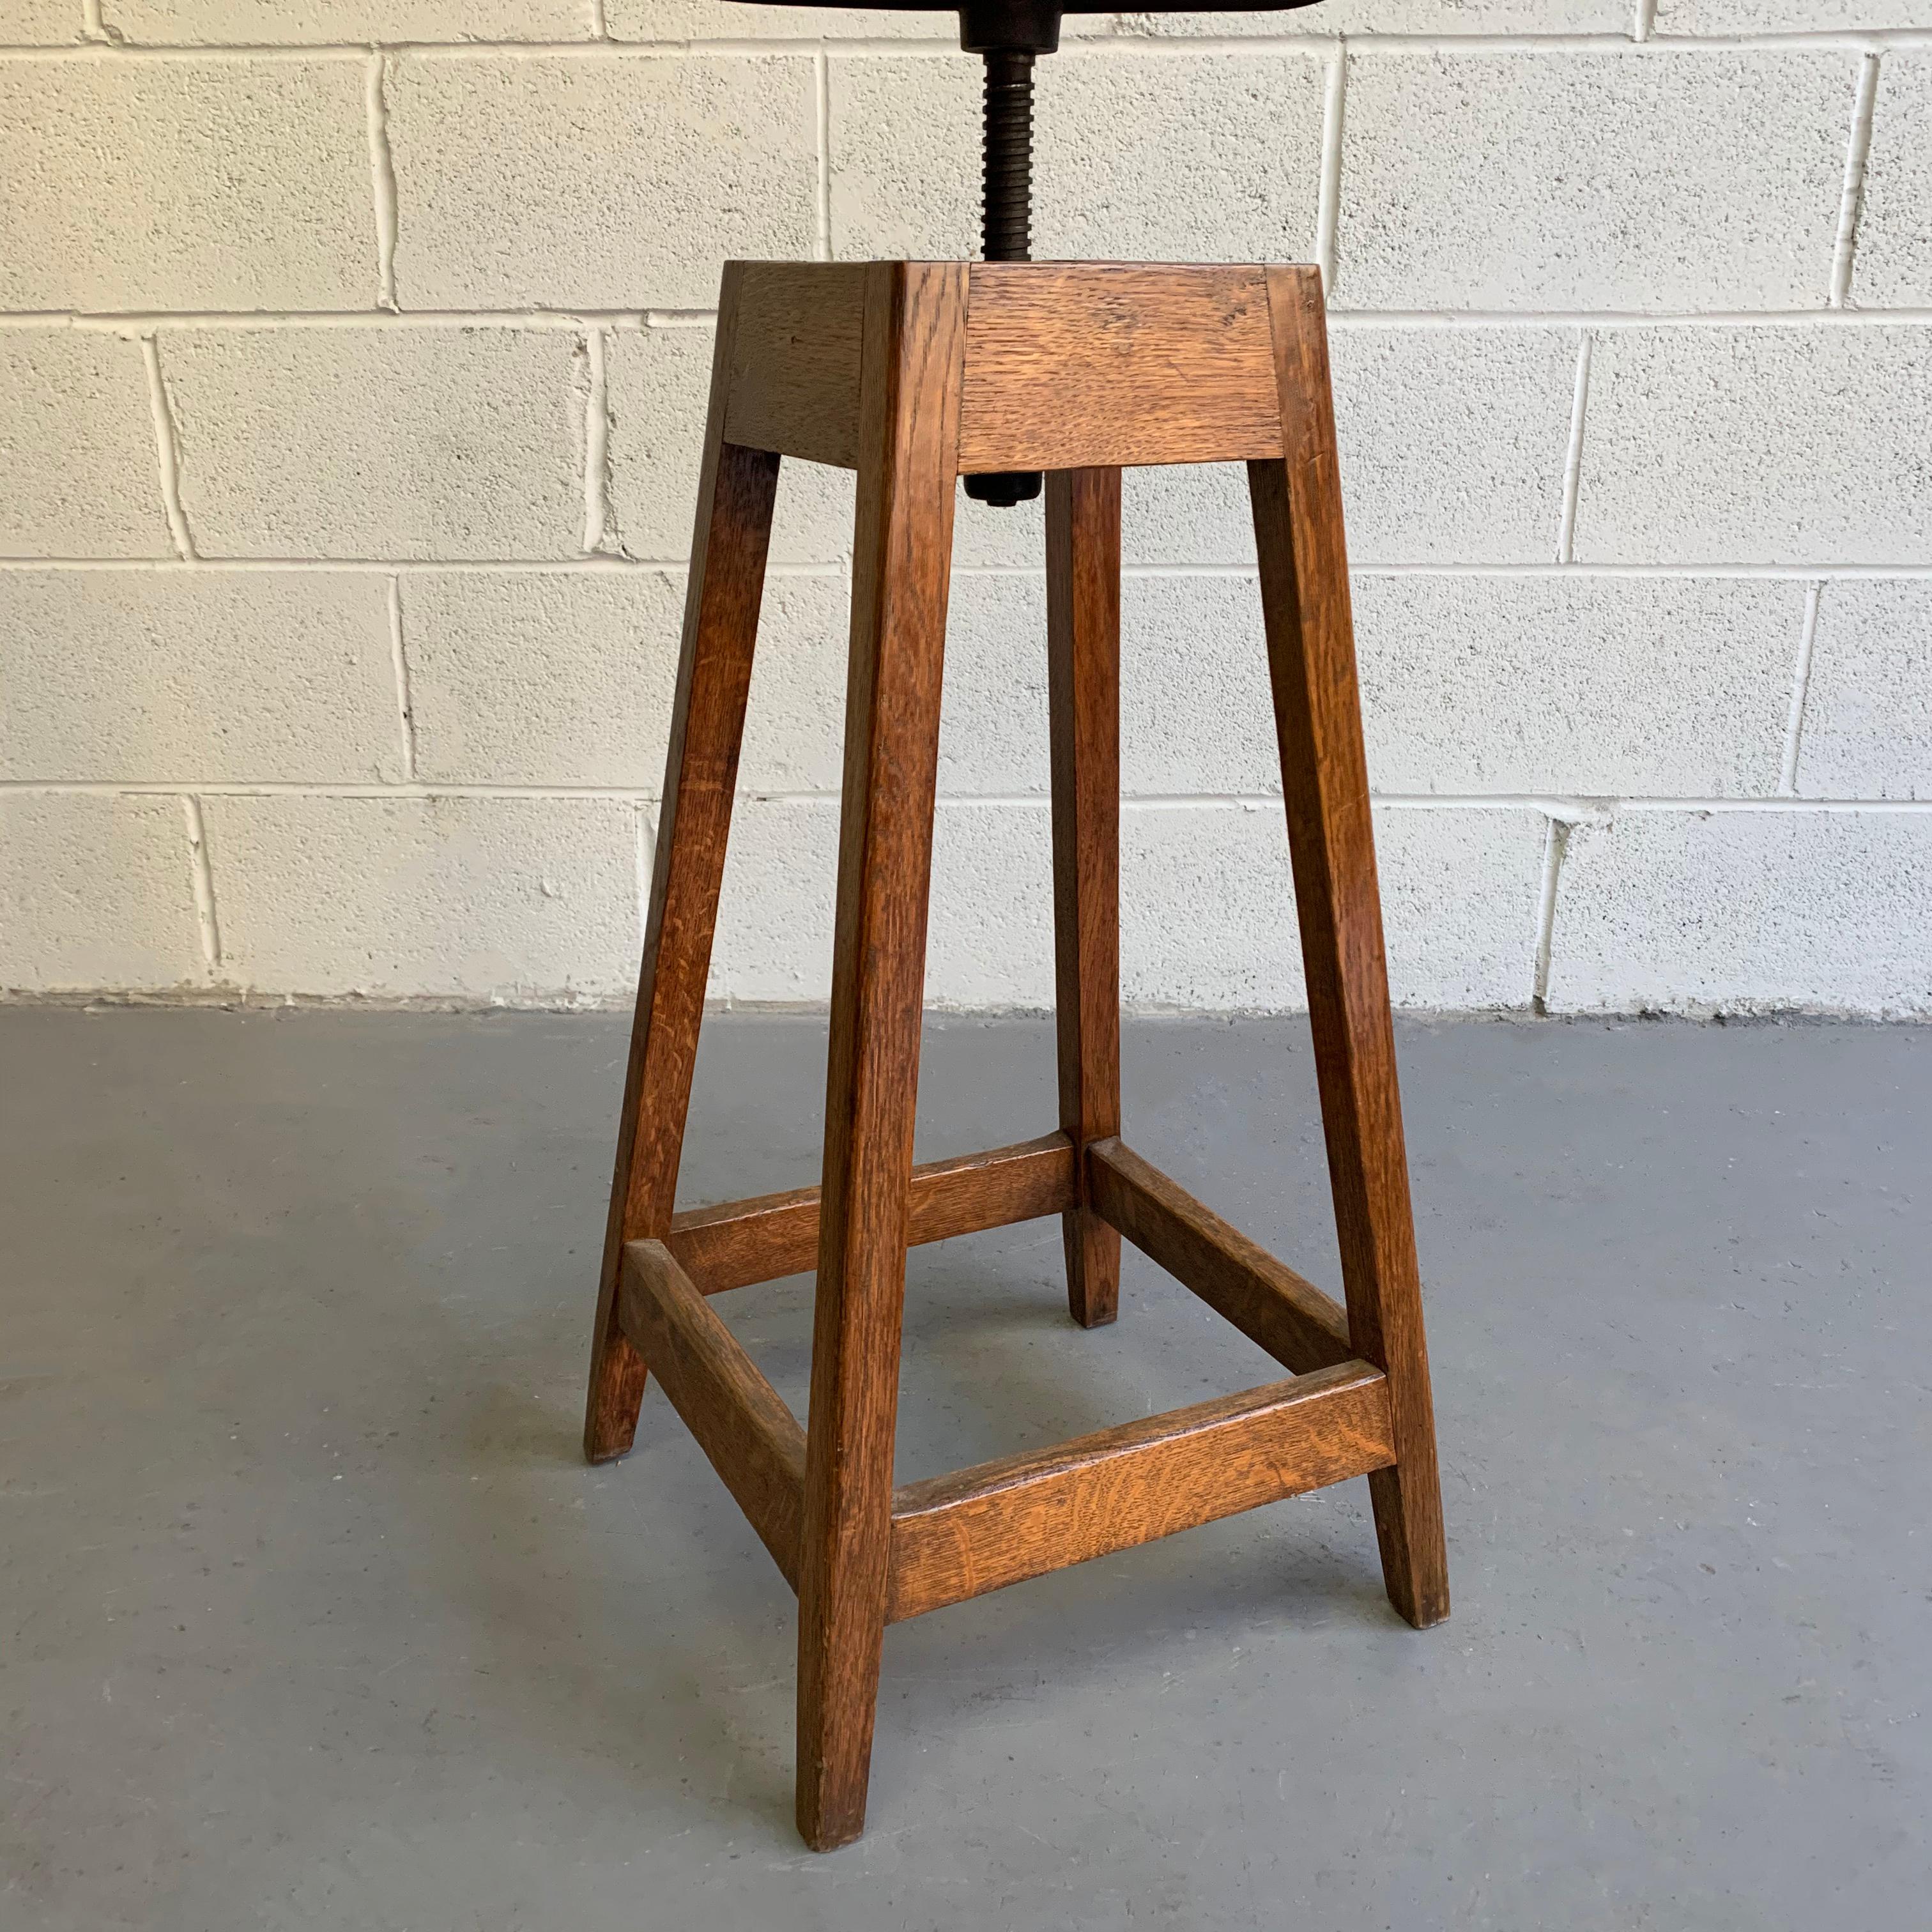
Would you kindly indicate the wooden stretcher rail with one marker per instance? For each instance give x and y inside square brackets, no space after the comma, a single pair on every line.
[959,1536]
[1301,1327]
[740,1242]
[753,1440]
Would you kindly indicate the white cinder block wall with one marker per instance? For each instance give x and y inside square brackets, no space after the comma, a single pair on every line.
[350,384]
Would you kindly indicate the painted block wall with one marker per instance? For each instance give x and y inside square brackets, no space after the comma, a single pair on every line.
[352,369]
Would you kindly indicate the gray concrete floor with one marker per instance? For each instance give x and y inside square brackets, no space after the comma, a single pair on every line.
[313,1618]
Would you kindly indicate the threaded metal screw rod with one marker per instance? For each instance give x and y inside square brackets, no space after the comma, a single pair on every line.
[1005,220]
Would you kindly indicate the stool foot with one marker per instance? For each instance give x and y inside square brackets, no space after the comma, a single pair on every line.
[1408,1504]
[1093,1251]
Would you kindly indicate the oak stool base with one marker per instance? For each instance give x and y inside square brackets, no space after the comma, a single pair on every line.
[914,373]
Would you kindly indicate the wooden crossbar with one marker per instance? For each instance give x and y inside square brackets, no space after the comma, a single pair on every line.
[1297,1324]
[979,1529]
[1000,1522]
[741,1242]
[742,1423]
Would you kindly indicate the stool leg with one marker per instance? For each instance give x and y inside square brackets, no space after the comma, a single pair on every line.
[1304,581]
[727,573]
[1083,643]
[914,342]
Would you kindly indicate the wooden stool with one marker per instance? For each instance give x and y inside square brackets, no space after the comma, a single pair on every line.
[913,373]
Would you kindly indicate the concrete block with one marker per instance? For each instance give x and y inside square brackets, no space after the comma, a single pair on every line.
[899,132]
[40,23]
[185,185]
[617,182]
[1867,724]
[1400,17]
[543,678]
[993,719]
[549,679]
[1196,715]
[773,943]
[197,677]
[1452,443]
[1213,157]
[1195,513]
[990,942]
[254,23]
[657,382]
[527,901]
[1745,912]
[985,534]
[795,725]
[1760,16]
[1893,265]
[1470,684]
[1605,686]
[79,472]
[96,892]
[1208,919]
[1558,178]
[380,442]
[1767,445]
[1461,897]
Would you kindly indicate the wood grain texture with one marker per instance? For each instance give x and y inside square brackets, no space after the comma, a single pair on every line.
[1297,1324]
[795,359]
[1304,583]
[915,338]
[752,1439]
[740,1242]
[1083,365]
[982,1528]
[736,491]
[1083,656]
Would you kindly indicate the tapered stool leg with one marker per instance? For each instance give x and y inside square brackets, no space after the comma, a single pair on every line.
[1083,630]
[735,492]
[914,338]
[1304,581]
